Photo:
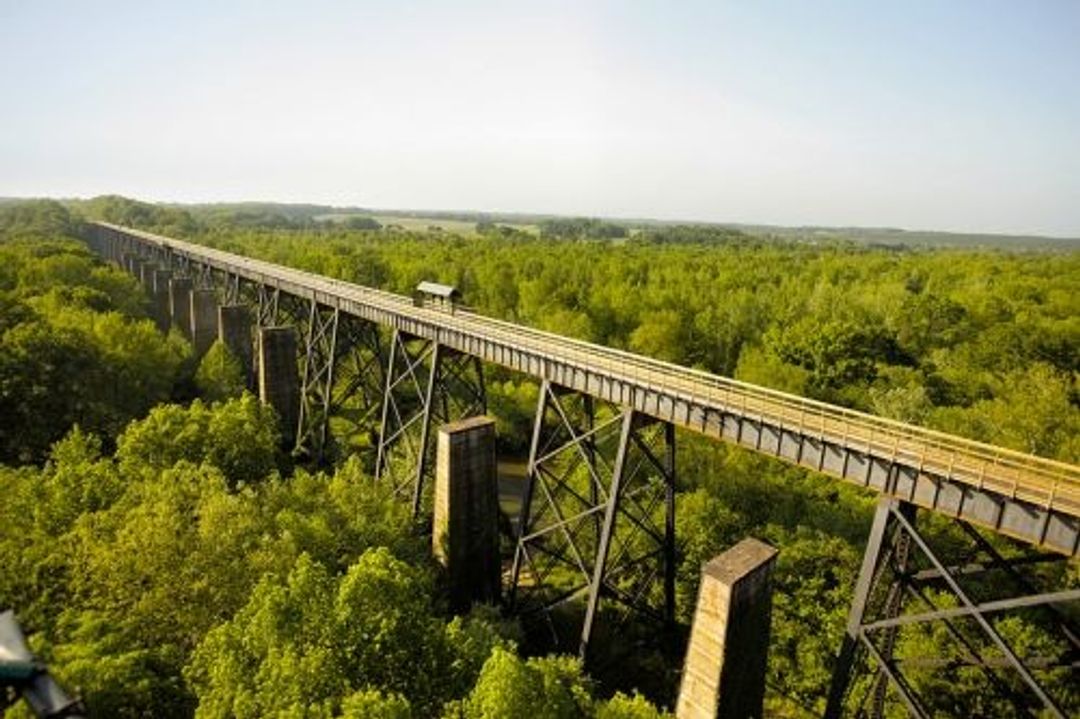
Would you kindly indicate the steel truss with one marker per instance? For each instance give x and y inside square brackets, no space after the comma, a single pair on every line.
[341,362]
[902,577]
[597,516]
[180,265]
[230,288]
[203,278]
[265,301]
[425,382]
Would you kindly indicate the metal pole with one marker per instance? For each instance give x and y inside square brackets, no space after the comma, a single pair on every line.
[380,457]
[669,528]
[530,482]
[425,429]
[610,513]
[871,558]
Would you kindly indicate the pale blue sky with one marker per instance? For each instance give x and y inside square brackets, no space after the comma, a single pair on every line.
[936,115]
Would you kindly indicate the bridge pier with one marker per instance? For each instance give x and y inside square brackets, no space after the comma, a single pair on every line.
[146,269]
[161,299]
[180,304]
[204,320]
[465,534]
[234,331]
[279,384]
[724,670]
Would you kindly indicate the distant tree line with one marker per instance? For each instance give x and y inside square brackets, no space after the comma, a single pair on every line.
[580,227]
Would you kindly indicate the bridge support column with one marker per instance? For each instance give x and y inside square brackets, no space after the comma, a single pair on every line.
[279,384]
[204,320]
[180,304]
[724,671]
[900,563]
[595,480]
[465,536]
[450,386]
[161,299]
[108,243]
[146,274]
[234,331]
[342,366]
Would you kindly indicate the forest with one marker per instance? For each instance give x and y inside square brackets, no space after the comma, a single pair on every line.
[169,559]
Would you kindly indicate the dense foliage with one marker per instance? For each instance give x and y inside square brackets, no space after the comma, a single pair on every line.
[564,228]
[191,570]
[170,562]
[75,343]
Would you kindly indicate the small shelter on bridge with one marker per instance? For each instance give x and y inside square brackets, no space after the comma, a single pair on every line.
[432,294]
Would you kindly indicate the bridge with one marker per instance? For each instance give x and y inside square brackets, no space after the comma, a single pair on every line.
[597,516]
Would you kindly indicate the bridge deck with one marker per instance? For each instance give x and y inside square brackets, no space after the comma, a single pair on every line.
[1022,495]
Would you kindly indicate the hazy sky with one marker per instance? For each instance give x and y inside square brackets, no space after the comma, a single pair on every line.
[941,114]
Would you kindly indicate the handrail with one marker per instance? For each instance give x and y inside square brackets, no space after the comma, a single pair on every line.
[1047,482]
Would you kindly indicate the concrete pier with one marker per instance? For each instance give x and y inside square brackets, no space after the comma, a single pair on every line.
[204,320]
[160,292]
[146,274]
[279,382]
[234,331]
[724,671]
[465,535]
[180,304]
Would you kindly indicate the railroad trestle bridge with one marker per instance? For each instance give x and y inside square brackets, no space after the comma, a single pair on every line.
[597,516]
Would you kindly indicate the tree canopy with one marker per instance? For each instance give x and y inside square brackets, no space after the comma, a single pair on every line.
[169,559]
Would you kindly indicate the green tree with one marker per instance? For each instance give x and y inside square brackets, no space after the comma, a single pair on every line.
[239,437]
[313,640]
[545,688]
[220,375]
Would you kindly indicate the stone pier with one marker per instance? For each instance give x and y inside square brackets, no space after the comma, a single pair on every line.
[160,291]
[234,331]
[204,320]
[724,670]
[180,304]
[465,535]
[146,274]
[279,382]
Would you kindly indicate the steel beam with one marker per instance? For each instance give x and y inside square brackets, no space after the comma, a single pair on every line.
[597,515]
[425,384]
[317,380]
[901,563]
[342,366]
